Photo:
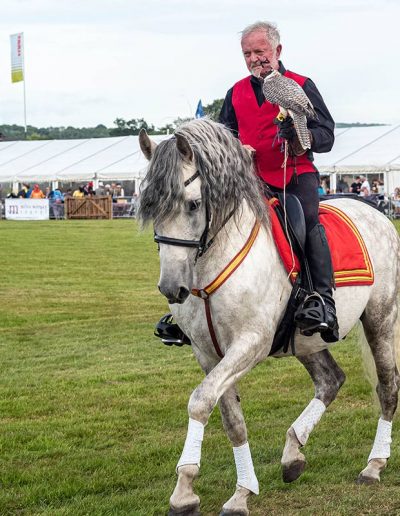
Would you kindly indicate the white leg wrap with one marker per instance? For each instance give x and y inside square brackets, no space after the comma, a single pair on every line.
[308,419]
[192,450]
[246,476]
[383,439]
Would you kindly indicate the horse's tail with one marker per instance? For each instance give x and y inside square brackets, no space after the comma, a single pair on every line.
[397,333]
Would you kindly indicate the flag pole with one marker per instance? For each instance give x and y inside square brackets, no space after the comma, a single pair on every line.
[24,81]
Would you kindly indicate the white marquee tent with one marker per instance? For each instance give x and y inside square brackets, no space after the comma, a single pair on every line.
[357,150]
[72,160]
[364,150]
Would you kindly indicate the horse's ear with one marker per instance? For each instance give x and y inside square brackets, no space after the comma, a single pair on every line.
[184,148]
[146,144]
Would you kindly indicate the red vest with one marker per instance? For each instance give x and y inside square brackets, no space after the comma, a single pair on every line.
[256,128]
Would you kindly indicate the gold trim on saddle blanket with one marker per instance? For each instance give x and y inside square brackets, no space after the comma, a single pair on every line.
[350,277]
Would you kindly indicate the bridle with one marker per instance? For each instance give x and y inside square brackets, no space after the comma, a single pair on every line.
[202,245]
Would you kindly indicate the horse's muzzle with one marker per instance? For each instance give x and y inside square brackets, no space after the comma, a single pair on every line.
[178,296]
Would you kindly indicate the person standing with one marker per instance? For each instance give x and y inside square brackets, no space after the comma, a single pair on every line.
[365,188]
[254,121]
[355,187]
[37,193]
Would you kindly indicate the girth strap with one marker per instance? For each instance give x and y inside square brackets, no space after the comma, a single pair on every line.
[206,292]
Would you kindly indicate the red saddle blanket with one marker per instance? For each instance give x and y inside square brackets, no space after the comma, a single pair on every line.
[351,262]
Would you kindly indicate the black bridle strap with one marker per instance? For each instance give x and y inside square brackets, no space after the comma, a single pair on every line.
[176,241]
[211,241]
[192,178]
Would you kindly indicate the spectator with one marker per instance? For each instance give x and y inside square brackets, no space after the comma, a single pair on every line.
[56,200]
[88,189]
[23,193]
[37,193]
[355,187]
[100,189]
[120,190]
[365,189]
[79,192]
[396,201]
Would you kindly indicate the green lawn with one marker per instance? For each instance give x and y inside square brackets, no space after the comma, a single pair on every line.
[93,407]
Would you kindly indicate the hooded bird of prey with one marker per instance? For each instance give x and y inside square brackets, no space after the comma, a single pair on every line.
[291,100]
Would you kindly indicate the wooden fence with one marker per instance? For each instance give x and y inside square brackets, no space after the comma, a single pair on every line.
[99,207]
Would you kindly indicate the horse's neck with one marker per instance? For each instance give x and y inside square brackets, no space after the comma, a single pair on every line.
[229,241]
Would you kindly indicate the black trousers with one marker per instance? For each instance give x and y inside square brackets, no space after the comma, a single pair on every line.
[305,188]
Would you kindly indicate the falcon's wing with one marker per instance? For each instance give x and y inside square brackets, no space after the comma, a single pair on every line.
[285,92]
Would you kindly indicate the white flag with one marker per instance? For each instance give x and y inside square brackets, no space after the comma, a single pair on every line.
[17,57]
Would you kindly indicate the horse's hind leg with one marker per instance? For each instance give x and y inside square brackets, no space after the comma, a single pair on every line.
[235,427]
[328,378]
[380,329]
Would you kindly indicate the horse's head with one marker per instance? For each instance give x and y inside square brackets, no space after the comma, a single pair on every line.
[172,198]
[195,182]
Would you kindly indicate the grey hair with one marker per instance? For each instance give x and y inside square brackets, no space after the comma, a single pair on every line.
[226,171]
[271,31]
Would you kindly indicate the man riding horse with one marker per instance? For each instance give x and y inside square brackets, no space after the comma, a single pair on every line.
[253,119]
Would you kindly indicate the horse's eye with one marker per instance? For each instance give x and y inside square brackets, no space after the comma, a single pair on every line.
[194,205]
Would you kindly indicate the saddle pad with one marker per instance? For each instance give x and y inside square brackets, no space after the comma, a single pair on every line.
[351,262]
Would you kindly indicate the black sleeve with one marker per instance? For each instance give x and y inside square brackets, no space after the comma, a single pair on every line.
[227,115]
[322,130]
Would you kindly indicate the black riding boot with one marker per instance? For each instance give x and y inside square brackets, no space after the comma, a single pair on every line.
[318,313]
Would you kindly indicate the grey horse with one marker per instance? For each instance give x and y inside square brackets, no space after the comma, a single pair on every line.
[207,208]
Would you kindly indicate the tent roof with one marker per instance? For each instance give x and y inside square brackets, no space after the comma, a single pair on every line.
[356,149]
[48,160]
[362,149]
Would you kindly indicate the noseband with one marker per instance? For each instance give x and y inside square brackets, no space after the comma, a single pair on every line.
[199,244]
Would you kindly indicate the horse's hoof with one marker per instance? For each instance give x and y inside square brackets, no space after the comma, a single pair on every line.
[292,472]
[367,481]
[194,510]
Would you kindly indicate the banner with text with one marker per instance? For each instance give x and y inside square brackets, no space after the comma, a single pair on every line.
[17,57]
[27,209]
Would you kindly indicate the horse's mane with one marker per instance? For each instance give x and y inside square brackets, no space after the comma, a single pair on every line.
[225,167]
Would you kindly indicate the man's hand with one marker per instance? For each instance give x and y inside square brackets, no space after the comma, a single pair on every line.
[251,150]
[286,128]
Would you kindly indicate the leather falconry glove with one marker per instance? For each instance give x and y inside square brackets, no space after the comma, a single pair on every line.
[287,131]
[286,128]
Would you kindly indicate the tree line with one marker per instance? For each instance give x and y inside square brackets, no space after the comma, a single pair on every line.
[122,128]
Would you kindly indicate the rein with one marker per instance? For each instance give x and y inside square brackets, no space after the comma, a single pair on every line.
[206,292]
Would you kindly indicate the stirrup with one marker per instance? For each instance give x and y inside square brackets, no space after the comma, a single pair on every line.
[170,333]
[310,317]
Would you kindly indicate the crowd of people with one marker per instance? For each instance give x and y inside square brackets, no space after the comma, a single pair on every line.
[115,190]
[360,186]
[57,197]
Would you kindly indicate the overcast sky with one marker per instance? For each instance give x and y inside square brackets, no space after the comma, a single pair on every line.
[90,61]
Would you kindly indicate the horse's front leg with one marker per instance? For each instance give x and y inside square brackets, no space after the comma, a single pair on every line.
[239,359]
[235,427]
[328,378]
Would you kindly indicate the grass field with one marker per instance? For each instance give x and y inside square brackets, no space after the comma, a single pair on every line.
[93,407]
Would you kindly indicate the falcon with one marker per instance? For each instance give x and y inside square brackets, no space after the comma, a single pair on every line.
[292,101]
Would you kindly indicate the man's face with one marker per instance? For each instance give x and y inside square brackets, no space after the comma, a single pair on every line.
[260,56]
